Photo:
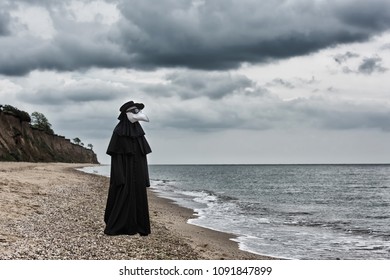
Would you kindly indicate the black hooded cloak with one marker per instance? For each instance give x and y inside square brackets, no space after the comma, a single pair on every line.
[127,204]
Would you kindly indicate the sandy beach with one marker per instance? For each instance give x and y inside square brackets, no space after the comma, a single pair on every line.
[52,211]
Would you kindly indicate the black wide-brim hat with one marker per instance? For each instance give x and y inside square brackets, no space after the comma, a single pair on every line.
[130,104]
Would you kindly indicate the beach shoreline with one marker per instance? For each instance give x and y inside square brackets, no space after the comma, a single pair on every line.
[53,211]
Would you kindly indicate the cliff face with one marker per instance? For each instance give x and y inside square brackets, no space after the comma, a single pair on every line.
[20,142]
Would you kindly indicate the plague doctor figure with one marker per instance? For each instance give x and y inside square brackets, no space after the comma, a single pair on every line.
[127,203]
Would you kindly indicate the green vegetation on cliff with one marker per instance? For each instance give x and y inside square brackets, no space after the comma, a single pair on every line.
[40,121]
[11,110]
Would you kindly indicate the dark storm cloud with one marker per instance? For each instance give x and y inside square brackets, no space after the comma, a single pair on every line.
[66,53]
[371,15]
[223,34]
[193,34]
[371,65]
[74,45]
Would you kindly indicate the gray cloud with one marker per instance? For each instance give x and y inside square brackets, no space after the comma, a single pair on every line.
[367,66]
[371,65]
[4,21]
[76,93]
[195,84]
[342,58]
[281,82]
[270,112]
[192,34]
[292,83]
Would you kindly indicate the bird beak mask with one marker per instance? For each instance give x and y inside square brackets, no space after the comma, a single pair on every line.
[134,115]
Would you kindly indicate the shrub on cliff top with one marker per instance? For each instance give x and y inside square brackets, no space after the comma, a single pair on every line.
[39,121]
[11,110]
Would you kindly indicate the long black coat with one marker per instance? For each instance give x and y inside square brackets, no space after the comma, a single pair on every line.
[127,203]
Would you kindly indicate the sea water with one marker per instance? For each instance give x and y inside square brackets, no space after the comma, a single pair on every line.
[287,211]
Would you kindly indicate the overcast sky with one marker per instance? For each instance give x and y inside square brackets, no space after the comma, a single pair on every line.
[223,81]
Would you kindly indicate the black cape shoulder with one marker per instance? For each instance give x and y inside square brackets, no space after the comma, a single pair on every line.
[125,136]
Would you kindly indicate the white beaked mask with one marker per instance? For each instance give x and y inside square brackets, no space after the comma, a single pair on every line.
[134,115]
